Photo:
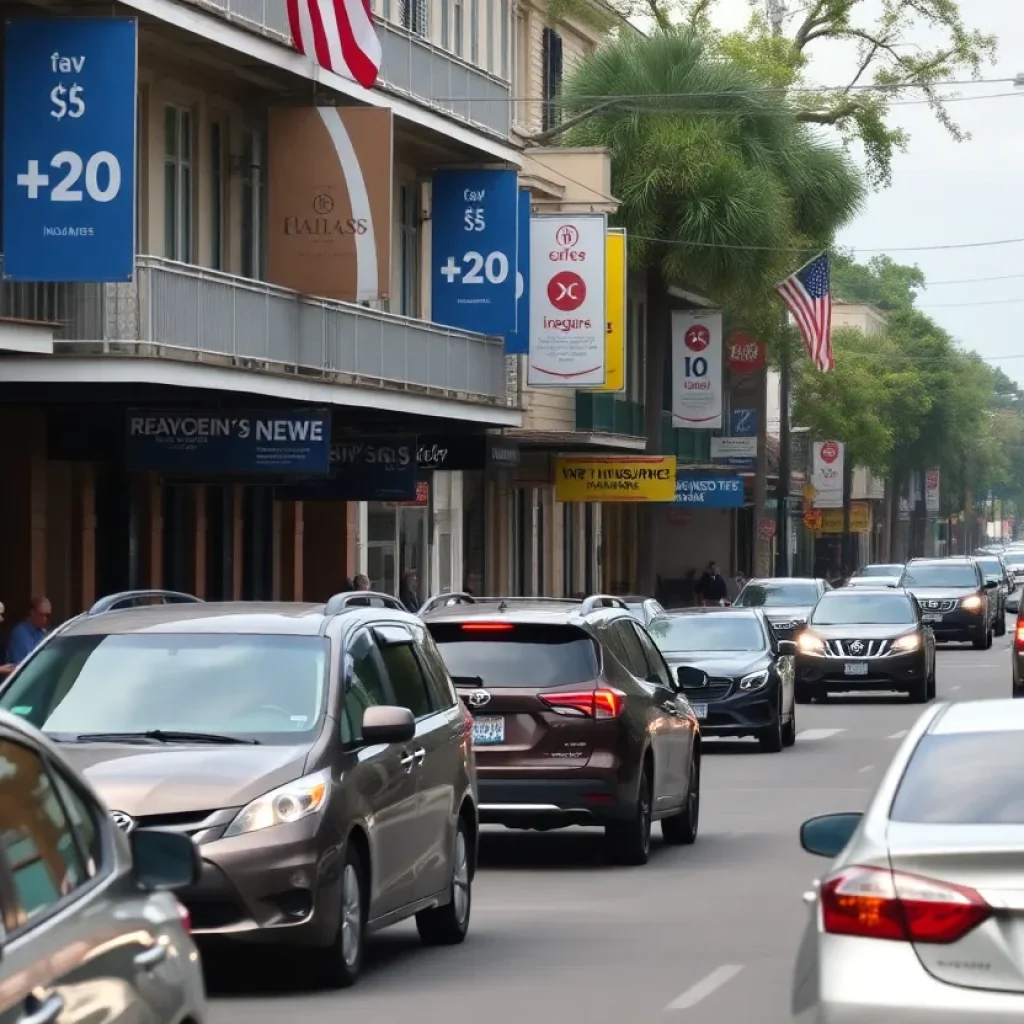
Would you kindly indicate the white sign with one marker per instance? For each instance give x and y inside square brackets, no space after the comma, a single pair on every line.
[827,473]
[931,490]
[697,370]
[567,301]
[734,447]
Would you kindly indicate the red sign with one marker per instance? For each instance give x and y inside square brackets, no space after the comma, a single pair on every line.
[813,519]
[422,496]
[766,528]
[745,353]
[697,338]
[829,452]
[567,291]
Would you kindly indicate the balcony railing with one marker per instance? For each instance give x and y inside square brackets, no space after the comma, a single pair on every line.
[40,302]
[178,306]
[411,66]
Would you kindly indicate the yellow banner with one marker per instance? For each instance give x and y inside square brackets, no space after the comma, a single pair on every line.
[615,312]
[600,478]
[860,519]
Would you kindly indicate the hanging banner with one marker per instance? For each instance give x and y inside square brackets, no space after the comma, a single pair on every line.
[697,369]
[518,342]
[931,490]
[568,336]
[474,218]
[827,473]
[615,305]
[608,478]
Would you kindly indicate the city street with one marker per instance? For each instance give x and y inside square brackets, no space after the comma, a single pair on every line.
[705,934]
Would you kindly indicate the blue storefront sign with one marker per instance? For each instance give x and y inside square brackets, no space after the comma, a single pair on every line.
[381,468]
[70,87]
[743,423]
[518,344]
[709,490]
[474,249]
[267,441]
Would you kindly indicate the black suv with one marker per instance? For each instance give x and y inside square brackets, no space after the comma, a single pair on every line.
[954,597]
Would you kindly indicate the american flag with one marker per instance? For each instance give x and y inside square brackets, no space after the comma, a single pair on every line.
[808,296]
[339,35]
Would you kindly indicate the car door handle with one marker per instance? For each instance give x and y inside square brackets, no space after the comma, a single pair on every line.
[420,755]
[49,1006]
[151,957]
[407,760]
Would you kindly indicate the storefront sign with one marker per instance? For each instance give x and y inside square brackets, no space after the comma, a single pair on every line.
[860,519]
[744,353]
[600,478]
[69,149]
[706,490]
[265,441]
[568,330]
[733,449]
[502,453]
[474,239]
[382,468]
[697,370]
[330,201]
[422,497]
[467,452]
[931,490]
[827,474]
[615,312]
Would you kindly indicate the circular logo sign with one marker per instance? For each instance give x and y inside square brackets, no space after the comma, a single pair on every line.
[829,452]
[766,528]
[566,291]
[567,236]
[812,519]
[697,338]
[323,204]
[745,353]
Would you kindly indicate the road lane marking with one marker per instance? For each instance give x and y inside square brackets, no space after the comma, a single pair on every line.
[705,987]
[957,687]
[818,734]
[899,735]
[866,768]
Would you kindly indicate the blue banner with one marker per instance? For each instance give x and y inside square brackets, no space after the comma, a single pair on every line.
[364,469]
[743,423]
[70,87]
[518,344]
[474,247]
[267,441]
[709,490]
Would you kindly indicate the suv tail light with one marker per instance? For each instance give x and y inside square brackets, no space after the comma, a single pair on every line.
[1019,637]
[875,903]
[602,703]
[185,917]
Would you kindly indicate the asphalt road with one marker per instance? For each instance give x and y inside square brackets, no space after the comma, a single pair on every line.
[700,935]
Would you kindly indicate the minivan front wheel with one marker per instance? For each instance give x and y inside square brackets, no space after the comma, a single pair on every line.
[342,961]
[448,925]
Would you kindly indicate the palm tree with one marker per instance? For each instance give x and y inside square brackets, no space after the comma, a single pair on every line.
[722,189]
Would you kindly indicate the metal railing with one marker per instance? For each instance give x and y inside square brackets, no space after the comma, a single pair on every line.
[38,301]
[205,311]
[410,65]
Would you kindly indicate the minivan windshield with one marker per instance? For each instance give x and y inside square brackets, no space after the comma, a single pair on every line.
[678,633]
[760,595]
[269,688]
[940,574]
[852,609]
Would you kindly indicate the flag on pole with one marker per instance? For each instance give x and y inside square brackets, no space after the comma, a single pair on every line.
[339,35]
[808,296]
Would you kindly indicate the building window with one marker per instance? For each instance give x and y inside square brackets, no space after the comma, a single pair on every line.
[414,16]
[409,222]
[503,27]
[216,196]
[252,204]
[446,41]
[458,27]
[178,184]
[474,32]
[552,73]
[521,84]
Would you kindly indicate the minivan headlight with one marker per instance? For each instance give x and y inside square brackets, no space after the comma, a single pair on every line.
[290,802]
[972,603]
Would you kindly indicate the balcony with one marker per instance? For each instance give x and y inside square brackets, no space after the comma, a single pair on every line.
[189,310]
[411,66]
[610,414]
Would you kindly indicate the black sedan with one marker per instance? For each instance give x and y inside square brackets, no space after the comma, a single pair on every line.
[866,640]
[786,602]
[737,676]
[996,571]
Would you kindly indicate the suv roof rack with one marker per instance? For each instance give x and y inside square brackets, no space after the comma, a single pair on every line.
[133,598]
[350,598]
[445,599]
[596,601]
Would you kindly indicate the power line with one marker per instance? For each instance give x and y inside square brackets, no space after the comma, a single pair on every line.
[975,280]
[961,305]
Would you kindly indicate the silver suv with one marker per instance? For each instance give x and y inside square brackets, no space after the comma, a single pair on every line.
[318,755]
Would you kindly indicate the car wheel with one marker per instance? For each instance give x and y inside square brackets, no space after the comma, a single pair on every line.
[981,643]
[918,691]
[681,829]
[931,685]
[771,738]
[803,694]
[1001,625]
[342,961]
[448,925]
[789,729]
[629,842]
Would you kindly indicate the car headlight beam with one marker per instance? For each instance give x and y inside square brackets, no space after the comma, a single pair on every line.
[904,644]
[972,603]
[291,802]
[810,643]
[755,680]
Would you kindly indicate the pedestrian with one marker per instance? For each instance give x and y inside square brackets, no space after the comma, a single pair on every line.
[5,670]
[739,582]
[712,587]
[408,592]
[28,634]
[362,582]
[349,585]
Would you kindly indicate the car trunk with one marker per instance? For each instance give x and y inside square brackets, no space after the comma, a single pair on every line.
[990,860]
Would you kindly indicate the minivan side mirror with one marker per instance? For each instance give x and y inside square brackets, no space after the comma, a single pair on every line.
[164,860]
[828,834]
[387,724]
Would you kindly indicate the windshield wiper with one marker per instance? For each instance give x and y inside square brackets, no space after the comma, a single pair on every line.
[161,736]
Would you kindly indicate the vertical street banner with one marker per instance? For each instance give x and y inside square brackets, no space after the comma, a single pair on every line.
[697,369]
[474,228]
[568,329]
[70,88]
[827,473]
[615,312]
[931,491]
[518,342]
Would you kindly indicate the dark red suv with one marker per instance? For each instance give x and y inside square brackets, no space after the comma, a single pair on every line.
[577,719]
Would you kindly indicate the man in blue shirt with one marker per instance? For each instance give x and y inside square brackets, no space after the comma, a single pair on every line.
[28,634]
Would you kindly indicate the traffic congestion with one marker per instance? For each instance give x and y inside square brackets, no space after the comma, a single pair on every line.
[526,788]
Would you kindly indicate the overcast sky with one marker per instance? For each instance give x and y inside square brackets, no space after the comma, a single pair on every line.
[949,193]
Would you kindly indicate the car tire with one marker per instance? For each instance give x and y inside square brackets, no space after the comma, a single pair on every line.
[341,963]
[448,925]
[931,684]
[918,691]
[629,842]
[1001,624]
[771,736]
[681,829]
[803,694]
[982,643]
[789,729]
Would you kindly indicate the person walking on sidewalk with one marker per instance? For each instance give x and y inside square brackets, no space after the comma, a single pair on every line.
[28,634]
[712,587]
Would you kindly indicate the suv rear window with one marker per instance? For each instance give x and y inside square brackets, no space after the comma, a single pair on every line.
[514,654]
[971,778]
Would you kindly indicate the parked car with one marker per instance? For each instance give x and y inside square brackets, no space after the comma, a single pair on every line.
[786,603]
[860,640]
[996,570]
[749,672]
[318,754]
[1014,559]
[916,921]
[954,598]
[577,718]
[89,928]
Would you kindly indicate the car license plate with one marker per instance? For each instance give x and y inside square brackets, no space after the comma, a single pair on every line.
[700,710]
[856,668]
[931,618]
[488,731]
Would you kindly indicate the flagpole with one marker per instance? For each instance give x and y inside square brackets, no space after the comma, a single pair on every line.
[785,471]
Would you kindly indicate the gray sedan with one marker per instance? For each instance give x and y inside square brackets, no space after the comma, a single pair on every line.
[920,918]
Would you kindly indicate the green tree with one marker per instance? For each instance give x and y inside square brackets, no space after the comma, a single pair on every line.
[881,282]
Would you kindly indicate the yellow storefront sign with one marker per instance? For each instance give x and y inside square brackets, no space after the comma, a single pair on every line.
[598,478]
[615,312]
[860,519]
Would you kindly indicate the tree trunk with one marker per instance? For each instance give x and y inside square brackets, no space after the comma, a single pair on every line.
[886,554]
[762,546]
[895,548]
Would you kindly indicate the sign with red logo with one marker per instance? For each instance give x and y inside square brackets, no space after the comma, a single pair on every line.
[829,451]
[697,338]
[697,369]
[568,344]
[766,528]
[744,353]
[827,473]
